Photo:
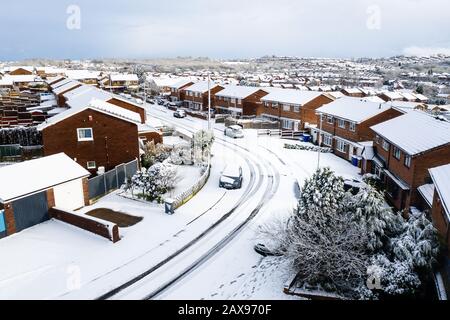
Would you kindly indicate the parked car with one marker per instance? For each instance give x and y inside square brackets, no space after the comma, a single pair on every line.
[179,114]
[353,185]
[161,102]
[139,101]
[231,178]
[234,132]
[264,251]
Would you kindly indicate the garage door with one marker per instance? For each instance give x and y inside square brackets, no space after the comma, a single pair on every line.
[30,211]
[69,196]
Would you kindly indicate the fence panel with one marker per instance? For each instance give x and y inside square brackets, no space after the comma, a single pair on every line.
[97,187]
[131,169]
[112,180]
[121,174]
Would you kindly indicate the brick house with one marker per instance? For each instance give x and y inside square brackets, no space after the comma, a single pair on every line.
[82,96]
[121,82]
[99,134]
[59,91]
[177,92]
[353,92]
[84,76]
[240,100]
[35,186]
[19,71]
[293,108]
[405,148]
[346,124]
[196,95]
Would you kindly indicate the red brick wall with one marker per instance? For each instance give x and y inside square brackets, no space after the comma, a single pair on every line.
[440,220]
[86,191]
[86,224]
[308,111]
[9,219]
[157,137]
[115,140]
[130,107]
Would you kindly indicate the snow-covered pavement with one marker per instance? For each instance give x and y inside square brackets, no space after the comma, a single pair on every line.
[204,251]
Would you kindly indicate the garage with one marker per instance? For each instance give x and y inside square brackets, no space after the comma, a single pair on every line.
[35,186]
[69,196]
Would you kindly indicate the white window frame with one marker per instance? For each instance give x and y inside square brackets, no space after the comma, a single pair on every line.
[341,123]
[397,151]
[297,109]
[286,107]
[352,127]
[386,145]
[274,104]
[330,120]
[340,146]
[91,167]
[408,160]
[79,130]
[328,140]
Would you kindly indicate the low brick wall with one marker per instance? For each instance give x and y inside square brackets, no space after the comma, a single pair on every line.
[104,230]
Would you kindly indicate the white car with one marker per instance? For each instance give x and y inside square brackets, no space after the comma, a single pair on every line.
[139,101]
[235,132]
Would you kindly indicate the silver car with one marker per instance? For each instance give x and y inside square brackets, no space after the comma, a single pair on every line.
[234,132]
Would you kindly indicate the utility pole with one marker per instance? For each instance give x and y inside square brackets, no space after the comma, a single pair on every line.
[320,141]
[209,101]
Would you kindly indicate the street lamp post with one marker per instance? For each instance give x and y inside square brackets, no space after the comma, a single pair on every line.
[209,102]
[320,141]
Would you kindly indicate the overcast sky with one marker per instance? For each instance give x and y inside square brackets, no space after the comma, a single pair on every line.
[223,29]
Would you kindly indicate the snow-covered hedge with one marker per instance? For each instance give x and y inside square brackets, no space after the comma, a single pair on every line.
[306,148]
[24,136]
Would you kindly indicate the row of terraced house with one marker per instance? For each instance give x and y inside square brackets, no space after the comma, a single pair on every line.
[389,136]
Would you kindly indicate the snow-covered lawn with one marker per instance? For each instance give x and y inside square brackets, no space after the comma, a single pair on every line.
[187,176]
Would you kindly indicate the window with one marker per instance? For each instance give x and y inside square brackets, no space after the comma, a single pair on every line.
[385,145]
[340,146]
[296,109]
[352,126]
[408,161]
[341,124]
[91,165]
[328,140]
[274,104]
[85,134]
[286,107]
[397,153]
[377,139]
[239,101]
[330,120]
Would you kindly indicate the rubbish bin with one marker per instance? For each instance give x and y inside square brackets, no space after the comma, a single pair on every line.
[169,205]
[307,138]
[355,161]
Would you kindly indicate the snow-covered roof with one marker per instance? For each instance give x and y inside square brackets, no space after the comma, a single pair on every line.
[69,85]
[181,83]
[415,132]
[238,92]
[97,105]
[124,77]
[38,175]
[354,109]
[83,98]
[54,79]
[352,90]
[201,87]
[427,192]
[392,95]
[291,96]
[82,74]
[22,78]
[78,91]
[441,179]
[60,83]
